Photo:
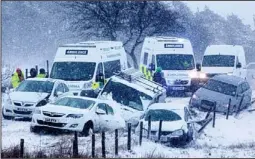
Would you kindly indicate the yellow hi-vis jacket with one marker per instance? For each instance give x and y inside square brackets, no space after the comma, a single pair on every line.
[41,75]
[15,80]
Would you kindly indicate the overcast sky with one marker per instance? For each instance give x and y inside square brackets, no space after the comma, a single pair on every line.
[245,10]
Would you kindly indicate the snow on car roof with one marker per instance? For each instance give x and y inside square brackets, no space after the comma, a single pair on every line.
[230,79]
[173,105]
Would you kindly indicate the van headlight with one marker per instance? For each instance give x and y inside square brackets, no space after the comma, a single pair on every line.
[193,74]
[202,75]
[179,132]
[37,111]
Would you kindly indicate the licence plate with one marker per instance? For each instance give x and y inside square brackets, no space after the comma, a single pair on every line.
[178,88]
[51,120]
[23,109]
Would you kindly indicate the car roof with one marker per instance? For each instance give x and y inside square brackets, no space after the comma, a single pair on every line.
[230,79]
[44,79]
[173,105]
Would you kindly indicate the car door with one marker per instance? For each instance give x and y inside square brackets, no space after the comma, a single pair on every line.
[102,120]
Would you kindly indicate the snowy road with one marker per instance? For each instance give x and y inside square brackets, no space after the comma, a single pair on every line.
[230,138]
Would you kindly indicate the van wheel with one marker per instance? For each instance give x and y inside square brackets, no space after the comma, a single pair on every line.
[6,116]
[87,129]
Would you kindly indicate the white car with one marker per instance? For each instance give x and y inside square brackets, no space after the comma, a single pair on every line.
[81,114]
[33,93]
[175,128]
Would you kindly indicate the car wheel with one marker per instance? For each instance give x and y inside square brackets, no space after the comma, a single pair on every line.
[35,129]
[87,129]
[6,116]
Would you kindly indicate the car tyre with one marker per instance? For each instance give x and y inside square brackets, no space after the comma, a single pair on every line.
[35,129]
[6,116]
[87,129]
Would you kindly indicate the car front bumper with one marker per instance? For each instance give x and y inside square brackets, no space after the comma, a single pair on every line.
[18,111]
[62,123]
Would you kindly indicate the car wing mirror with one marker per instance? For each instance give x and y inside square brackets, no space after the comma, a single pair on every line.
[239,65]
[100,112]
[198,67]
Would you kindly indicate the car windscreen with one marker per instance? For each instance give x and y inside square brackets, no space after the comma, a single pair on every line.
[162,114]
[221,87]
[218,61]
[175,61]
[74,102]
[73,71]
[35,86]
[125,95]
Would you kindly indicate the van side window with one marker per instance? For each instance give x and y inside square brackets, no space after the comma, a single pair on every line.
[111,67]
[99,68]
[153,59]
[145,58]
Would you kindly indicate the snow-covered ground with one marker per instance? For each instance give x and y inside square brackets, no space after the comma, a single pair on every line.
[230,138]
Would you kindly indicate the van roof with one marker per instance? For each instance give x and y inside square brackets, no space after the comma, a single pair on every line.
[223,49]
[90,51]
[95,44]
[167,39]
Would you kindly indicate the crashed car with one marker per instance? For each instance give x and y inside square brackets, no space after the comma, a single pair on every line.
[220,89]
[31,93]
[133,92]
[176,128]
[81,114]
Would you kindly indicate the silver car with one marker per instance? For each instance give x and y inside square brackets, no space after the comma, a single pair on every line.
[220,89]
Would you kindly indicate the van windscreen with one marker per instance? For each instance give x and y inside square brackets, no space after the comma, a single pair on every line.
[73,71]
[218,61]
[175,61]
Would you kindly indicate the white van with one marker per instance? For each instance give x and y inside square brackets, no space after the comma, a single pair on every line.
[82,63]
[175,57]
[224,59]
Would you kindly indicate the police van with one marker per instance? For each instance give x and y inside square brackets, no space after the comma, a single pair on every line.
[175,57]
[83,65]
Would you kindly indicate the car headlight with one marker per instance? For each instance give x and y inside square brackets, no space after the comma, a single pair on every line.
[9,101]
[179,132]
[74,116]
[41,103]
[194,96]
[37,111]
[230,73]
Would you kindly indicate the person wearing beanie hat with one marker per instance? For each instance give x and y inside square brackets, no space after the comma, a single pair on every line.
[17,78]
[158,77]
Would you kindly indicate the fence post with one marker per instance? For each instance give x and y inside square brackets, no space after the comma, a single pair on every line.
[159,130]
[229,103]
[75,145]
[21,153]
[116,142]
[26,73]
[129,137]
[36,68]
[47,67]
[214,114]
[141,133]
[93,146]
[208,113]
[149,127]
[103,145]
[241,102]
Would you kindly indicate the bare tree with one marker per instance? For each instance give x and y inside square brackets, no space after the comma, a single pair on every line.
[127,21]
